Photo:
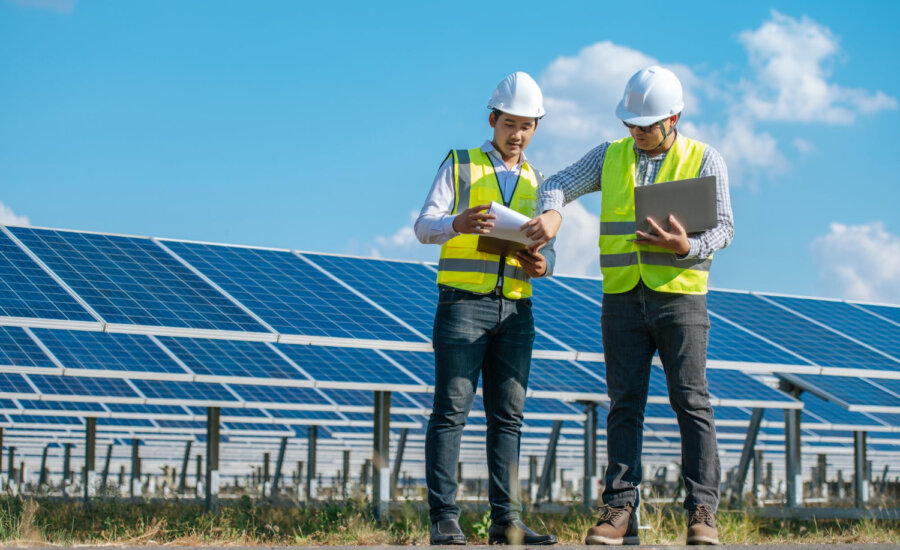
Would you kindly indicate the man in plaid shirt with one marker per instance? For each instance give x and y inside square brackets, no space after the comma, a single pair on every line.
[654,298]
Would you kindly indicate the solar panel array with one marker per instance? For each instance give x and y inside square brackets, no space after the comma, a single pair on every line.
[144,333]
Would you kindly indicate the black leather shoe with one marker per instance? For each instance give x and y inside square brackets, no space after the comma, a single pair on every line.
[447,531]
[517,532]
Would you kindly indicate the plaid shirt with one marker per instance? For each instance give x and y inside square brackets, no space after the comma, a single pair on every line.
[584,177]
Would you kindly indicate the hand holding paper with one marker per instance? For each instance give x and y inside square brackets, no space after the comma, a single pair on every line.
[506,237]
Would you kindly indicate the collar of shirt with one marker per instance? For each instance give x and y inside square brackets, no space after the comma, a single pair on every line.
[488,148]
[641,153]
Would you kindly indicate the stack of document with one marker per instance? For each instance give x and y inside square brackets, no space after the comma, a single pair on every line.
[505,237]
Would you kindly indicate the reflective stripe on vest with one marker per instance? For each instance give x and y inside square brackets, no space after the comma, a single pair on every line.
[461,264]
[624,263]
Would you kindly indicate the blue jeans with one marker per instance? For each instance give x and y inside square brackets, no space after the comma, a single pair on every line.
[492,336]
[635,324]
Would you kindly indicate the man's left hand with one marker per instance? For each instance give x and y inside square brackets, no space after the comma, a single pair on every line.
[676,240]
[532,262]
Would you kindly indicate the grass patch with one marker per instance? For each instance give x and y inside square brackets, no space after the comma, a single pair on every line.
[248,522]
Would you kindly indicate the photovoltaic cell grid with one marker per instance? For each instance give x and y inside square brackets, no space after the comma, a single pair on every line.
[413,300]
[851,390]
[799,335]
[888,312]
[735,385]
[27,291]
[565,316]
[79,349]
[564,376]
[76,386]
[816,409]
[850,320]
[360,366]
[17,349]
[215,357]
[133,281]
[730,343]
[290,295]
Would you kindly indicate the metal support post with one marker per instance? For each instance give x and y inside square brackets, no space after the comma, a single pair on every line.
[381,472]
[264,476]
[135,482]
[109,451]
[792,458]
[312,441]
[90,458]
[532,478]
[212,457]
[737,489]
[42,475]
[547,472]
[398,461]
[860,478]
[758,477]
[182,481]
[199,475]
[279,464]
[345,479]
[12,464]
[589,483]
[822,470]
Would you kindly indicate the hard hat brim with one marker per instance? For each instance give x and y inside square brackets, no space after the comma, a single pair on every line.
[540,113]
[631,118]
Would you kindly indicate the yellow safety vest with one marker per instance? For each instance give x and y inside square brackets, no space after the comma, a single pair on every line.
[622,262]
[462,265]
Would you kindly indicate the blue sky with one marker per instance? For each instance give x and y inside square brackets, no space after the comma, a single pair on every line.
[320,127]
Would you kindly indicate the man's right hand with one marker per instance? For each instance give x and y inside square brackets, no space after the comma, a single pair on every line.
[542,228]
[474,220]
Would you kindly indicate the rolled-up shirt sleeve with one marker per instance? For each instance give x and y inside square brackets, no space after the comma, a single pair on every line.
[435,222]
[570,183]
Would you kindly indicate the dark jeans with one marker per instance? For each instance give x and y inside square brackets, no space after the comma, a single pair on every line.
[478,334]
[635,324]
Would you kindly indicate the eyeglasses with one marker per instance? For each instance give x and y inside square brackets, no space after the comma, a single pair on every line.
[646,129]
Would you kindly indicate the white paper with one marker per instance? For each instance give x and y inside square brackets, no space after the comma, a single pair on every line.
[507,224]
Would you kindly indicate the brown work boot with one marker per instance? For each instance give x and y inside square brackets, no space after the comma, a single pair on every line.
[702,526]
[617,526]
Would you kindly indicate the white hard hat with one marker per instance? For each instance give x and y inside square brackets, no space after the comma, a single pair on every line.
[651,95]
[518,95]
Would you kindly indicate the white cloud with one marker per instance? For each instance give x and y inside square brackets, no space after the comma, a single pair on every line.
[860,262]
[576,247]
[804,146]
[401,245]
[581,93]
[792,62]
[8,217]
[58,6]
[747,153]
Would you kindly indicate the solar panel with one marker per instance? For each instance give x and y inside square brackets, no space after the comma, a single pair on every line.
[270,396]
[148,410]
[76,386]
[816,409]
[133,281]
[184,392]
[737,386]
[848,319]
[103,351]
[28,291]
[414,301]
[853,391]
[290,295]
[728,342]
[17,349]
[891,313]
[589,288]
[287,416]
[348,365]
[215,357]
[795,333]
[34,405]
[420,364]
[565,316]
[564,376]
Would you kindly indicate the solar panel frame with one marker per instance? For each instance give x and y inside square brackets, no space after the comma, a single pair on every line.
[143,287]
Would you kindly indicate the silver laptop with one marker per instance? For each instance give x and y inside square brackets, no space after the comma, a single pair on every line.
[691,201]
